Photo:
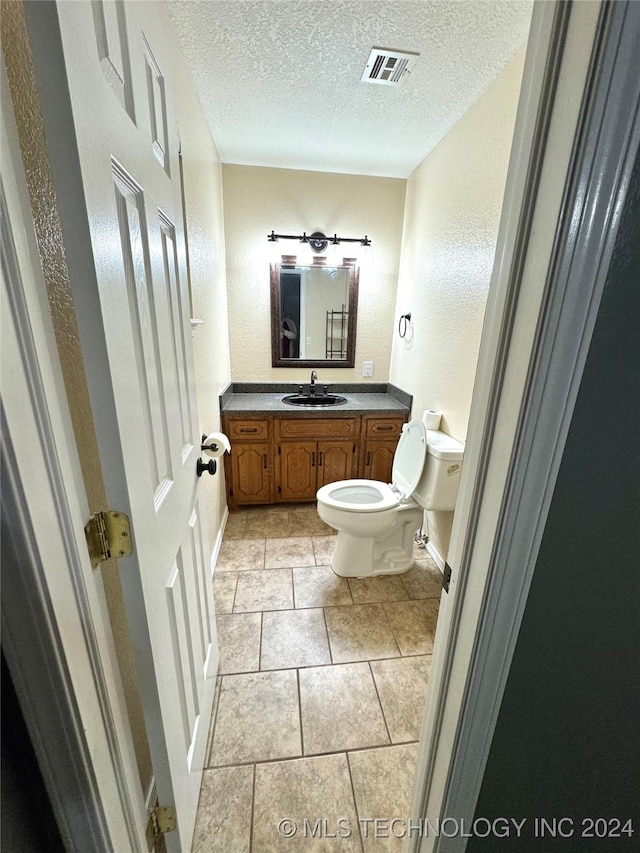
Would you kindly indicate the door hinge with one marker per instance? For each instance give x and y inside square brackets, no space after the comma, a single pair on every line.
[446,577]
[161,820]
[108,535]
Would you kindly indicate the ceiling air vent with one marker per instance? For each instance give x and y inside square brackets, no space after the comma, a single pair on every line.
[388,67]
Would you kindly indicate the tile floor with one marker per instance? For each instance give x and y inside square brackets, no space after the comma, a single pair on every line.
[320,691]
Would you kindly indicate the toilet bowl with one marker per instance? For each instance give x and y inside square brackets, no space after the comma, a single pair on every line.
[376,521]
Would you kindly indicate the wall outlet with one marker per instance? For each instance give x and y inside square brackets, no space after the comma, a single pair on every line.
[308,341]
[367,368]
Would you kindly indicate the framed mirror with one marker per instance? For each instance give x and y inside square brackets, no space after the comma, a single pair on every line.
[313,314]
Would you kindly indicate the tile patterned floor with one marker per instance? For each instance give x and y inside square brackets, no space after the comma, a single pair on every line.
[320,692]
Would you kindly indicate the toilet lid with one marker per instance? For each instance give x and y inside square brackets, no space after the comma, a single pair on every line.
[408,461]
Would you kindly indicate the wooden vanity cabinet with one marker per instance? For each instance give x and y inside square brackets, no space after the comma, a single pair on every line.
[277,459]
[249,466]
[312,452]
[380,438]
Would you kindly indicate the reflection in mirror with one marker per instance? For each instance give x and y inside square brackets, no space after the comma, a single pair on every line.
[313,315]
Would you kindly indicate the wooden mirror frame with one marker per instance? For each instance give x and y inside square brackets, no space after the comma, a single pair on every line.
[276,359]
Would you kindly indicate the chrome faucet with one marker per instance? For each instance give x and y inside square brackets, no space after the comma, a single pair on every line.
[312,384]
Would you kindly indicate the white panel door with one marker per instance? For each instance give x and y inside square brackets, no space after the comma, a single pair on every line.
[119,70]
[55,629]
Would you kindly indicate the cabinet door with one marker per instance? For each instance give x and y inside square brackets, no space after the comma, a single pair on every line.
[335,461]
[252,473]
[378,460]
[298,467]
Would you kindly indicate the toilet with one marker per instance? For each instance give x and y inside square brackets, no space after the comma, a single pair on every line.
[377,522]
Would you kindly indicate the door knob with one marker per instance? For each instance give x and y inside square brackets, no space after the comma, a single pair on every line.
[209,466]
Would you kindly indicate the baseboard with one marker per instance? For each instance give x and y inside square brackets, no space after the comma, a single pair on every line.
[218,543]
[438,559]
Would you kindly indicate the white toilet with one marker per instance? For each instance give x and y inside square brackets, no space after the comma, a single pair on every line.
[376,522]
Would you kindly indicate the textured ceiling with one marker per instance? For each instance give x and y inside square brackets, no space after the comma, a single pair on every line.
[279,81]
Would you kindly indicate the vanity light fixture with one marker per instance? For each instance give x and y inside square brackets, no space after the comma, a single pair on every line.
[318,241]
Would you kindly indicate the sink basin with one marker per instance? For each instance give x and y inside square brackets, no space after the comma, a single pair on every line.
[315,400]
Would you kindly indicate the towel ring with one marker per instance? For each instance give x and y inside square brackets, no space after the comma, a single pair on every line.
[402,327]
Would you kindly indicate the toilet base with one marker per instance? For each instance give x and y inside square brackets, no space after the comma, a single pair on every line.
[388,554]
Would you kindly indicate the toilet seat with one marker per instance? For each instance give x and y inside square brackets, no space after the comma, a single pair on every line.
[362,496]
[367,496]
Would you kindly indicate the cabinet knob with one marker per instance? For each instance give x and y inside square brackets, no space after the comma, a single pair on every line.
[264,460]
[320,458]
[368,459]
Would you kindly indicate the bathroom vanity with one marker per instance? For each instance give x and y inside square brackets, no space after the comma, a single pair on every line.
[282,453]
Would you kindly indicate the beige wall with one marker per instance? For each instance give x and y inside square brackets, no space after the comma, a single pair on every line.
[202,172]
[258,200]
[452,212]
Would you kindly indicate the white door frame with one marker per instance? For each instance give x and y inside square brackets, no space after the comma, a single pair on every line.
[531,363]
[56,634]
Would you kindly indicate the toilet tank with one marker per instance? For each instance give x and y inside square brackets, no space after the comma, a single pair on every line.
[437,488]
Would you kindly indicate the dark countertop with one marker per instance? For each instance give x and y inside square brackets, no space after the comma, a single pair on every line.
[253,398]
